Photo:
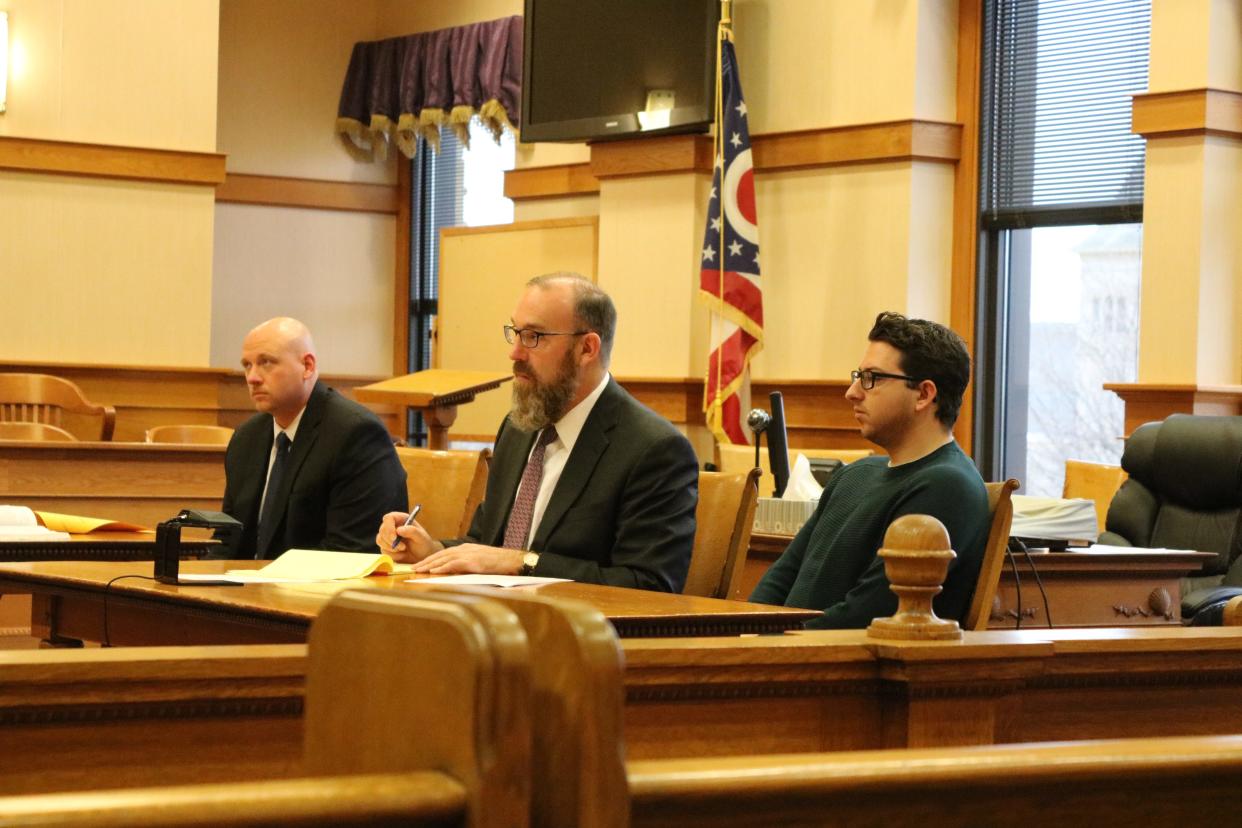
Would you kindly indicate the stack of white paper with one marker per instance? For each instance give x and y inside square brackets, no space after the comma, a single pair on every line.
[19,524]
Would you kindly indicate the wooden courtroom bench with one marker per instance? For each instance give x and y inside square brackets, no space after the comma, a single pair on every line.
[803,692]
[459,756]
[194,713]
[1188,781]
[575,699]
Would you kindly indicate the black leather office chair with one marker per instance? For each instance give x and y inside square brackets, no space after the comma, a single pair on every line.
[1185,492]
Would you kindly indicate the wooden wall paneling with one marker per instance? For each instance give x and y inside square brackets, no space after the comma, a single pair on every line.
[907,140]
[1188,112]
[817,414]
[858,144]
[963,299]
[101,161]
[93,719]
[275,191]
[146,396]
[138,483]
[553,181]
[1150,402]
[699,697]
[652,156]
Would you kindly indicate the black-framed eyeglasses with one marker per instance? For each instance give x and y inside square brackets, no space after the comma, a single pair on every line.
[867,378]
[530,338]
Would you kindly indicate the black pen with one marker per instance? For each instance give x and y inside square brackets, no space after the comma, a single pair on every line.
[413,514]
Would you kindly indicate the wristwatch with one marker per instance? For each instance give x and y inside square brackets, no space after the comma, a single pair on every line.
[529,561]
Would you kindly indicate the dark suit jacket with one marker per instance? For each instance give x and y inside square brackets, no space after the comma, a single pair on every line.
[343,476]
[622,512]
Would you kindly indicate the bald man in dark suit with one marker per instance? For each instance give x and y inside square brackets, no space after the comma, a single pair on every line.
[312,470]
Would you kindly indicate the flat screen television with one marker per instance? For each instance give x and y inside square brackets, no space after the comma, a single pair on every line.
[597,69]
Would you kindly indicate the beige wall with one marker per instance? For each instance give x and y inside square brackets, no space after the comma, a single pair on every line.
[102,271]
[838,245]
[331,269]
[139,73]
[1191,313]
[281,67]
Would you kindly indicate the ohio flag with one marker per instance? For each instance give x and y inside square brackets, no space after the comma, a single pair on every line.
[729,276]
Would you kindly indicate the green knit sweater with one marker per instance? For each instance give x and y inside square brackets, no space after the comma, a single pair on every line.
[832,565]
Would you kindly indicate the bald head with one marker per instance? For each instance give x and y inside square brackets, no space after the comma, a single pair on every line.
[278,357]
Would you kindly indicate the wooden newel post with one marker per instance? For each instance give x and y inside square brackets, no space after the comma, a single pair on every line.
[916,557]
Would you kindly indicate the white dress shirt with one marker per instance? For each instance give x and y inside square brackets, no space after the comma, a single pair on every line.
[290,432]
[557,453]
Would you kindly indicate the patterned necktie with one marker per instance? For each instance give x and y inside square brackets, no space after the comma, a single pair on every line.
[268,518]
[524,507]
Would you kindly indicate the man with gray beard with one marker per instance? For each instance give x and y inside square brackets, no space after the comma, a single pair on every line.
[586,483]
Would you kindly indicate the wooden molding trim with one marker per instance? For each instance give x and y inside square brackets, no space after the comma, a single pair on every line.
[522,226]
[911,140]
[817,414]
[651,156]
[1188,112]
[1150,402]
[102,161]
[544,182]
[146,396]
[316,194]
[963,272]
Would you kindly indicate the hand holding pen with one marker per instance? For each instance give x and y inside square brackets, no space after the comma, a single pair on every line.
[396,538]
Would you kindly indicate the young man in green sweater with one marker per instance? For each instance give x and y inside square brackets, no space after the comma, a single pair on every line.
[906,395]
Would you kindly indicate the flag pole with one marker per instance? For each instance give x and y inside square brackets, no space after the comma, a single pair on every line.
[723,30]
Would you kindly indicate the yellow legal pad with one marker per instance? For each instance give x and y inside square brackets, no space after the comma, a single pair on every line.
[320,565]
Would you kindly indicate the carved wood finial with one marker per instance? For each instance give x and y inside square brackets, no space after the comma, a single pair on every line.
[916,557]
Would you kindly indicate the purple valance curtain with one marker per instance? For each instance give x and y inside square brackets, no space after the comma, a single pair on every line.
[403,87]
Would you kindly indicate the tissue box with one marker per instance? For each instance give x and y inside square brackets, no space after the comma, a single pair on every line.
[774,516]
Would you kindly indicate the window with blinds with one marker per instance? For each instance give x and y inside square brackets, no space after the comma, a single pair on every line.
[1057,87]
[453,187]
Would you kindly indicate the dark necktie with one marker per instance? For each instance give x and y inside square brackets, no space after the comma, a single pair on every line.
[524,507]
[269,516]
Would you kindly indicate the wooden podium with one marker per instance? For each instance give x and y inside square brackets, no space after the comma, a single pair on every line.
[435,392]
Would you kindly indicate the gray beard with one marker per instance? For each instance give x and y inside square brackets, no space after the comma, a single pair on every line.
[538,405]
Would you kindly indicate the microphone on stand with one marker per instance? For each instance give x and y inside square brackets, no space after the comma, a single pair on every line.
[758,420]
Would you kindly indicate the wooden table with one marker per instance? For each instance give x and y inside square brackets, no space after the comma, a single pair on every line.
[1134,588]
[1086,588]
[15,609]
[99,546]
[71,601]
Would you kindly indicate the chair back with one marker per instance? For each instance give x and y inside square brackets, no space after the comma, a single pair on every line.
[1184,489]
[723,522]
[449,485]
[1097,482]
[400,683]
[576,672]
[737,459]
[1000,504]
[205,435]
[42,398]
[33,431]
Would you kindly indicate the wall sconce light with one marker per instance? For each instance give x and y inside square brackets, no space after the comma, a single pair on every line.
[4,60]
